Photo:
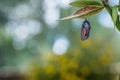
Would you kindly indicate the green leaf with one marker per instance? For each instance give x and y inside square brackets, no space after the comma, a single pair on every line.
[111,12]
[84,3]
[84,12]
[114,14]
[118,24]
[115,17]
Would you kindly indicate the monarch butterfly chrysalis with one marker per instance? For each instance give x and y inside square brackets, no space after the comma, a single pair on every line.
[85,30]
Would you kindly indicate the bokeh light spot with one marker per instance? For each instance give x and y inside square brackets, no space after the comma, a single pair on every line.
[105,20]
[60,46]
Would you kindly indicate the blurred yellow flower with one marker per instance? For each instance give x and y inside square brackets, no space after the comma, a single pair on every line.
[73,65]
[70,76]
[50,69]
[104,60]
[86,44]
[85,70]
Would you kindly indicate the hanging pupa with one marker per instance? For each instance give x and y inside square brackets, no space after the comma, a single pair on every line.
[85,30]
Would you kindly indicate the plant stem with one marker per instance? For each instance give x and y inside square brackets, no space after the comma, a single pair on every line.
[107,6]
[119,3]
[119,6]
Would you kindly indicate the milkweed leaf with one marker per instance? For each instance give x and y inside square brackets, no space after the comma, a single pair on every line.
[90,10]
[84,12]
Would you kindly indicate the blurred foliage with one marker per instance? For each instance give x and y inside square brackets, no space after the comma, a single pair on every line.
[84,60]
[8,3]
[81,63]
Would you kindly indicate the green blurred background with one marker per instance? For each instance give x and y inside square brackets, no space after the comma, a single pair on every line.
[35,46]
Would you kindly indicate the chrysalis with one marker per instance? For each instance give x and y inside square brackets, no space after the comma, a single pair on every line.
[85,30]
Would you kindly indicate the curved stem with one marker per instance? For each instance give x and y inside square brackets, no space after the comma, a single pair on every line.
[107,6]
[119,6]
[119,3]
